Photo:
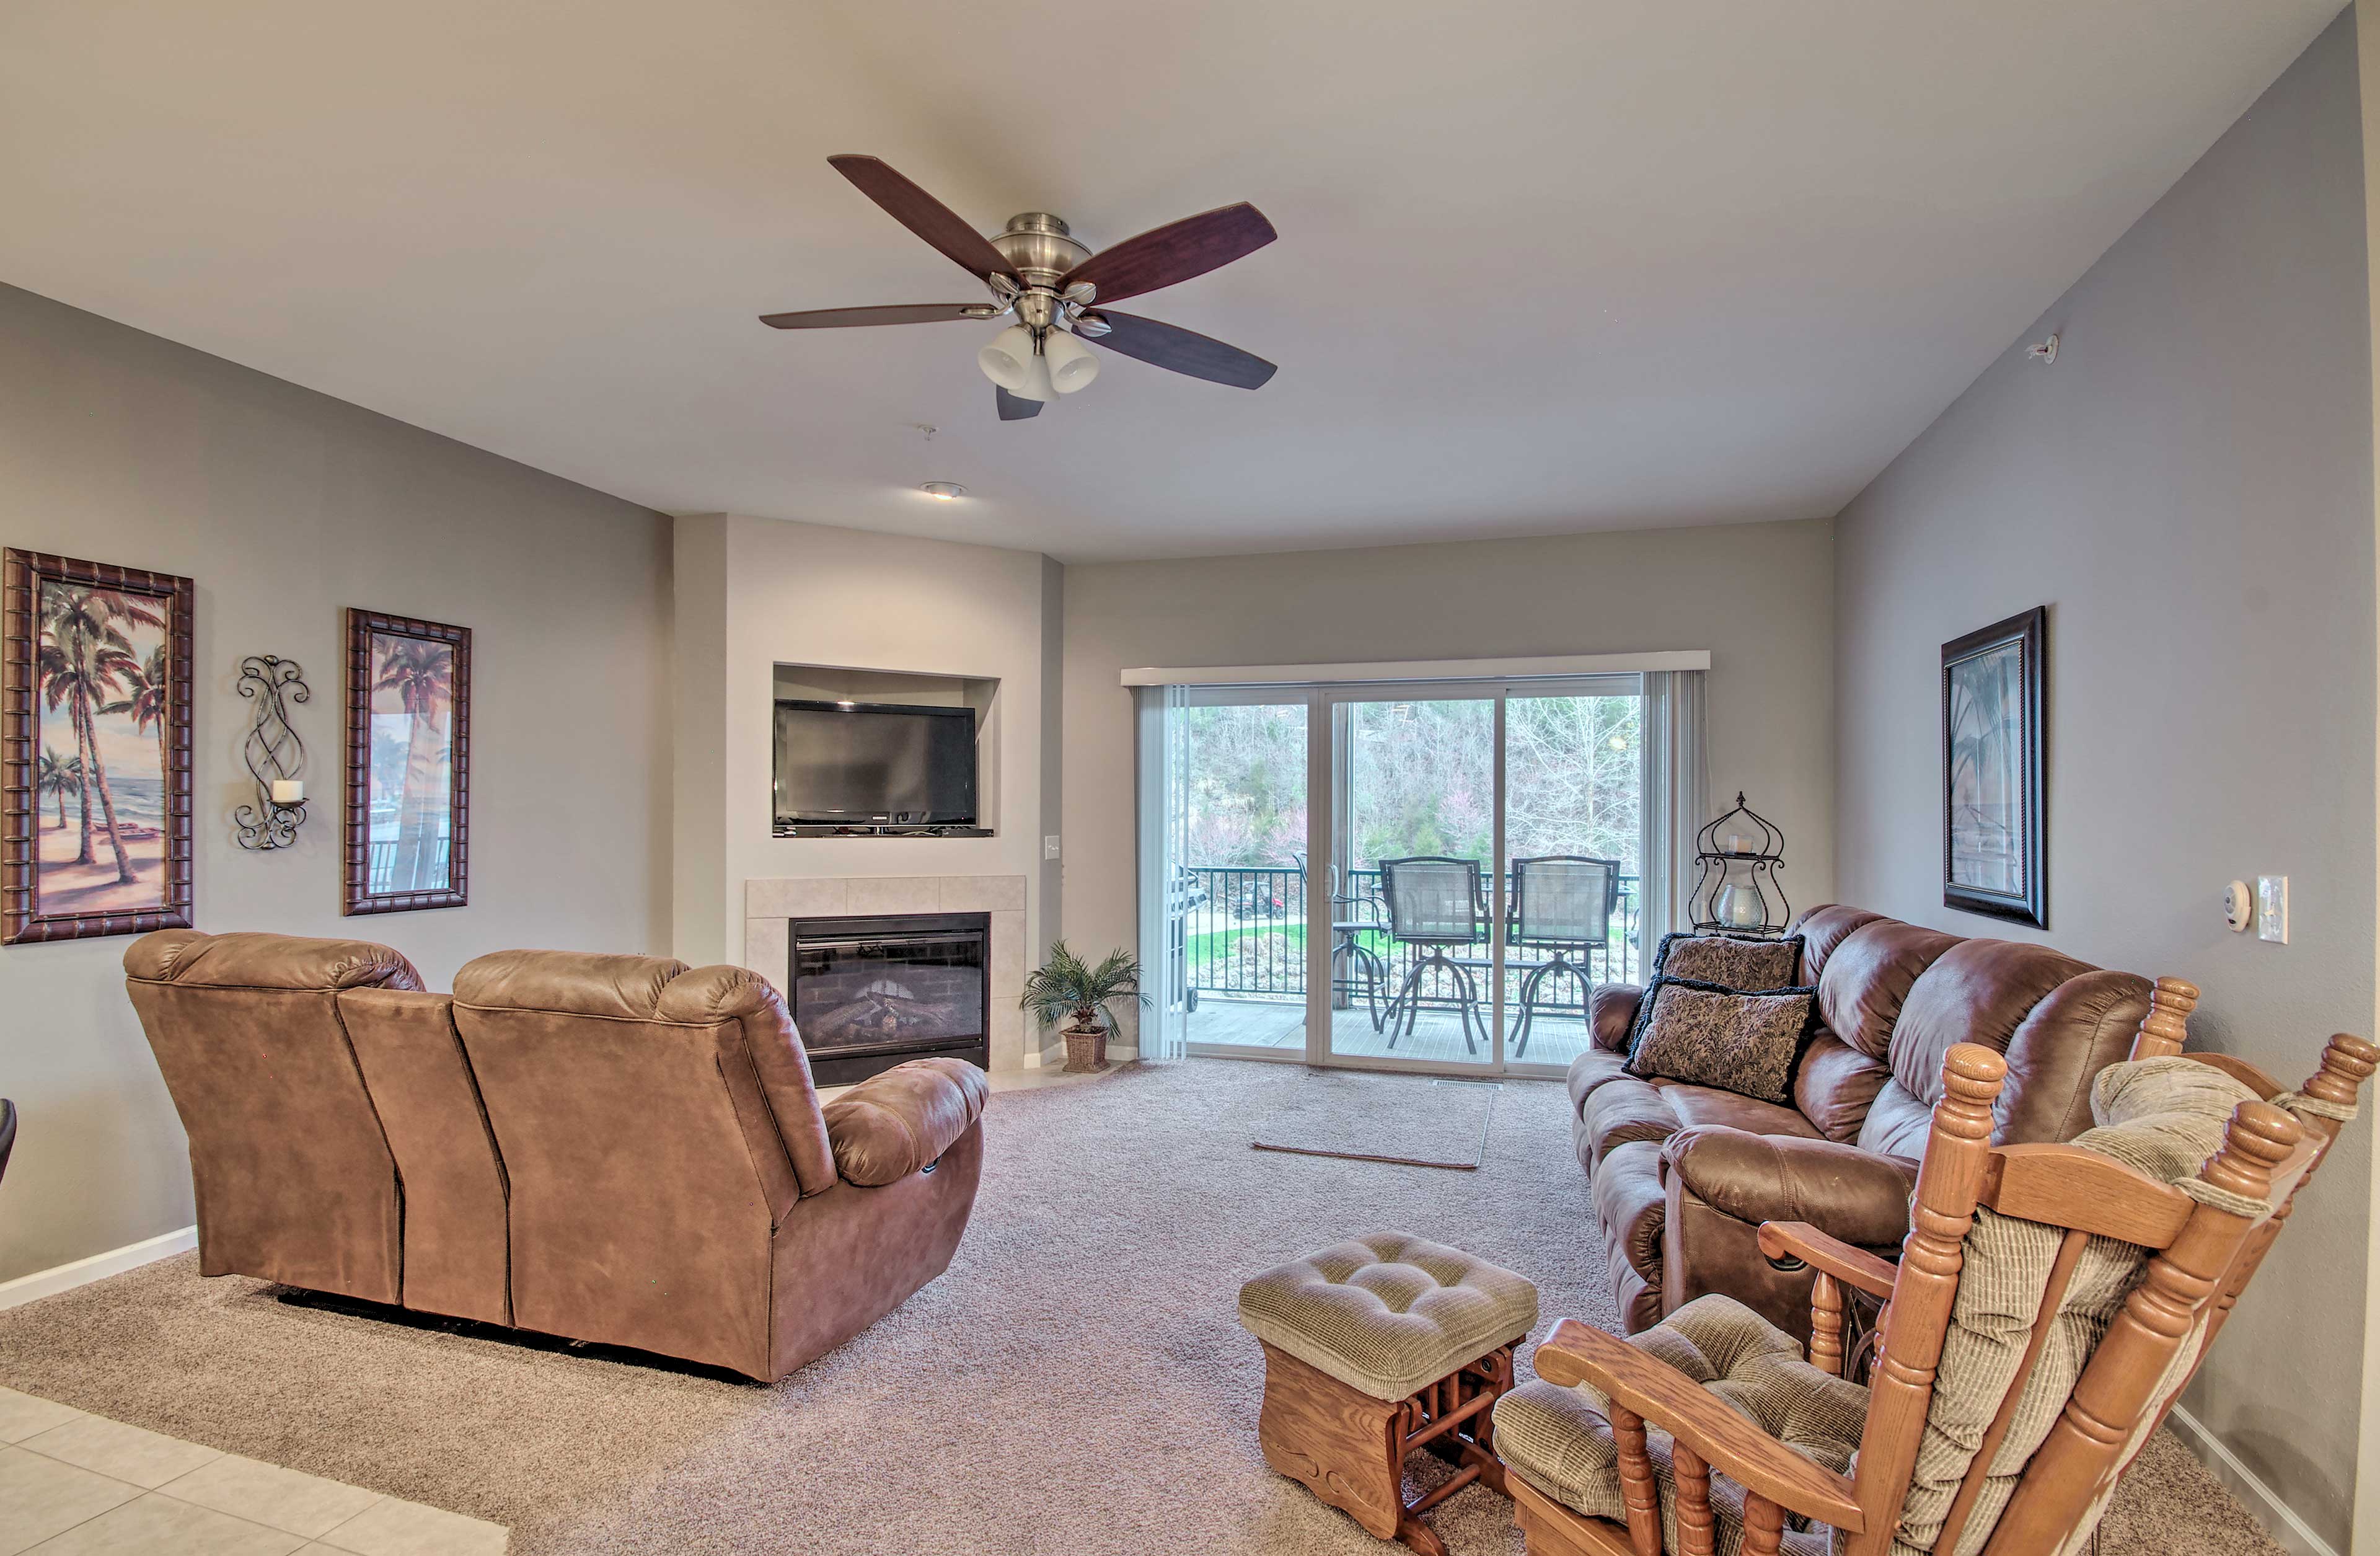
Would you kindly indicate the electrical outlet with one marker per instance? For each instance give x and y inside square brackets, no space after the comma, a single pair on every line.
[1048,847]
[2272,908]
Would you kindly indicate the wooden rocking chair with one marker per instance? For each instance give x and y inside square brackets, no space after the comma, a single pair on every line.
[1709,1478]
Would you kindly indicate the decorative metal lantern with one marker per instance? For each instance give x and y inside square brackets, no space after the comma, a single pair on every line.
[1737,858]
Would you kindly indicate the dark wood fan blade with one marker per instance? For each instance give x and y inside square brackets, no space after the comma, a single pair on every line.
[1016,407]
[924,216]
[901,314]
[1184,351]
[1175,252]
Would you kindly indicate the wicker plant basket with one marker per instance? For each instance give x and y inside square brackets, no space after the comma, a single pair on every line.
[1086,1050]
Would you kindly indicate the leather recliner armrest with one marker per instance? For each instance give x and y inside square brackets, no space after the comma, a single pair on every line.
[1613,1015]
[1854,1195]
[895,1123]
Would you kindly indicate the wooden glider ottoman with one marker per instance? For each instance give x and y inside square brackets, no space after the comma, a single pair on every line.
[1376,1347]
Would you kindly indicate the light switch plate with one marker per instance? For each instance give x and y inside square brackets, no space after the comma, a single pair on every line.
[2272,908]
[1048,847]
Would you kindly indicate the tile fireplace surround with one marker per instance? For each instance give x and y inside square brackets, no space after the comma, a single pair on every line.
[771,905]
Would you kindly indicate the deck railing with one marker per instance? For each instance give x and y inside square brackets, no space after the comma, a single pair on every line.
[379,862]
[1241,932]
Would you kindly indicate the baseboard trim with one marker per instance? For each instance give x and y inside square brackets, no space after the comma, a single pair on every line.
[98,1267]
[2279,1519]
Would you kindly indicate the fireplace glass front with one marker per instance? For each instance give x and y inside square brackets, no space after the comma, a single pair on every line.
[870,992]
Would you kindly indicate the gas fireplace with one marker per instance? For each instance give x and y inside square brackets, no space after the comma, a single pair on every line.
[870,992]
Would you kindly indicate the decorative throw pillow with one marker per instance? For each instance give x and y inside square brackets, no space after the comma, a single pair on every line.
[1731,961]
[1706,1035]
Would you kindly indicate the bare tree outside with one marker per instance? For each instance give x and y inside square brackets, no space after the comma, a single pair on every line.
[1420,780]
[1423,780]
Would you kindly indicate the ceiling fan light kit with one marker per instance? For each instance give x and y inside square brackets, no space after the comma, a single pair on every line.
[1036,271]
[1070,362]
[1012,360]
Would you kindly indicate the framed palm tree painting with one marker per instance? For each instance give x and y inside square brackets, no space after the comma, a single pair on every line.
[94,749]
[409,763]
[1995,732]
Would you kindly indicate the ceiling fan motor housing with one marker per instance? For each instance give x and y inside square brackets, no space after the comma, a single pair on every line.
[1040,248]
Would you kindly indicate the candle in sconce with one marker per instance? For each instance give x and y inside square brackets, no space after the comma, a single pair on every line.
[287,791]
[1733,844]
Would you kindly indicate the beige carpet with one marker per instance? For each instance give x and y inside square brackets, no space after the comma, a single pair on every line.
[1412,1120]
[1076,1384]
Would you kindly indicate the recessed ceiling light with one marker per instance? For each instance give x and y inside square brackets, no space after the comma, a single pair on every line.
[943,490]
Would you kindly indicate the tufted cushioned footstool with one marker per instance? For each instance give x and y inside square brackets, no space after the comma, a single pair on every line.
[1374,1348]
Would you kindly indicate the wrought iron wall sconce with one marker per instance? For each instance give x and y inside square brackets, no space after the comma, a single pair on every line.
[275,757]
[1736,860]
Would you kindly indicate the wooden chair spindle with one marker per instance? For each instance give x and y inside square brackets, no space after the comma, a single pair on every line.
[2166,1029]
[1827,1325]
[1697,1529]
[1637,1492]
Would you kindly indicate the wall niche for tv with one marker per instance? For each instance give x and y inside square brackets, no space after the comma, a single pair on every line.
[883,753]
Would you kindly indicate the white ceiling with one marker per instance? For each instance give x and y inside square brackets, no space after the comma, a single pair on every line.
[1545,266]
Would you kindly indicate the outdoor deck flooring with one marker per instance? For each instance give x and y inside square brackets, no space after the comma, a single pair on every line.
[1553,1040]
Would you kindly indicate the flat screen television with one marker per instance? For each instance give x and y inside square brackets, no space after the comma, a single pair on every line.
[874,763]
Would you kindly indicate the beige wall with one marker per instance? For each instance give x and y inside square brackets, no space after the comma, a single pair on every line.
[753,594]
[2189,489]
[1759,597]
[287,506]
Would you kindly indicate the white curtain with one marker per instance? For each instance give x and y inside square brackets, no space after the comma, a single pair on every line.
[1164,832]
[1677,784]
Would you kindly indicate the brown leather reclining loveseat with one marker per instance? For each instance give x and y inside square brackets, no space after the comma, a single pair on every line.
[613,1148]
[1683,1175]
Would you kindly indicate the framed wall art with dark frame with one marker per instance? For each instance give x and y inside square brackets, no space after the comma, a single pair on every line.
[408,742]
[1995,795]
[95,733]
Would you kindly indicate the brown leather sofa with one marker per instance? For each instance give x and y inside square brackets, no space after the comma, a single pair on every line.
[1683,1175]
[611,1149]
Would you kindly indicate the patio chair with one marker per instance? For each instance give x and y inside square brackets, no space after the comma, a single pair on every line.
[1352,918]
[1562,904]
[1434,903]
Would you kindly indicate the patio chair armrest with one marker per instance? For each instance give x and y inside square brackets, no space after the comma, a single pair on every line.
[1798,1241]
[1612,1014]
[1639,1381]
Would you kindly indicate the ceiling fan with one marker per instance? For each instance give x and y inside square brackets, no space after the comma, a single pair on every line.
[1057,289]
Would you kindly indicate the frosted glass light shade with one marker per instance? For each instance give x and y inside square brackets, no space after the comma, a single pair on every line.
[1072,366]
[1010,362]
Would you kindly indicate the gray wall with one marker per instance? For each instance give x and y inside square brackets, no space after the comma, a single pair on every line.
[1049,924]
[1759,597]
[286,507]
[2189,489]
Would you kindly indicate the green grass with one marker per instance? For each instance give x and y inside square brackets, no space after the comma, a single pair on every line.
[1210,953]
[1217,944]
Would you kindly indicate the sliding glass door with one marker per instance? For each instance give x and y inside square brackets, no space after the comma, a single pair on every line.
[1411,920]
[1241,889]
[1573,821]
[1428,875]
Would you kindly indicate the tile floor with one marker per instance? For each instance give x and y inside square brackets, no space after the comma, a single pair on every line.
[73,1484]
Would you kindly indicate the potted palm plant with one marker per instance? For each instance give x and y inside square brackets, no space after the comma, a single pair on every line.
[1084,996]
